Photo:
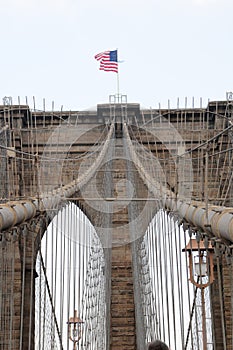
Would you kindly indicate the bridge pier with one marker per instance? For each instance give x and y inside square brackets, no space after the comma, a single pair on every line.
[28,253]
[10,293]
[123,331]
[17,293]
[28,336]
[30,132]
[222,301]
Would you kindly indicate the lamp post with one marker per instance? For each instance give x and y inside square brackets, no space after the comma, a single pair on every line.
[201,265]
[75,334]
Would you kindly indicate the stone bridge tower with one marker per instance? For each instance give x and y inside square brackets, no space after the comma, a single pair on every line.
[30,134]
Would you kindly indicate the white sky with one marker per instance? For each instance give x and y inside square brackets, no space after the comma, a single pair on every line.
[171,48]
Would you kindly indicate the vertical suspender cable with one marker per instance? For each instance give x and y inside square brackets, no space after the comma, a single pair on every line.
[154,266]
[47,286]
[158,279]
[164,260]
[44,297]
[180,280]
[54,293]
[160,247]
[40,289]
[171,247]
[81,234]
[53,274]
[31,289]
[23,288]
[63,269]
[221,303]
[75,270]
[12,250]
[68,281]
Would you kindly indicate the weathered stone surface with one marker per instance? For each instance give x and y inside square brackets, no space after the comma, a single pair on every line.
[30,132]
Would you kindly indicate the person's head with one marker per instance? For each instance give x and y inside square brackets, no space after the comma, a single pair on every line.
[158,345]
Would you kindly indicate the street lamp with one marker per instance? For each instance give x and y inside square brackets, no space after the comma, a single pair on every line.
[200,262]
[201,266]
[75,333]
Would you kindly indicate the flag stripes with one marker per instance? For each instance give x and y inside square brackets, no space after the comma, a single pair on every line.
[108,61]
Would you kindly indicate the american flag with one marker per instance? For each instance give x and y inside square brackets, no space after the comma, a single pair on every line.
[108,61]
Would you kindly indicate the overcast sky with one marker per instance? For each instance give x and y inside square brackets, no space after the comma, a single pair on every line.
[170,48]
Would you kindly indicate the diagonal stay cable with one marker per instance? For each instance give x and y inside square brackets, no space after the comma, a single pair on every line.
[218,217]
[50,299]
[13,213]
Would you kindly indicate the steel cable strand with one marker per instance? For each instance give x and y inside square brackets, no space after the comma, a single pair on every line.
[155,267]
[23,287]
[14,238]
[160,275]
[98,143]
[93,268]
[139,303]
[67,229]
[146,156]
[47,287]
[179,259]
[151,257]
[158,281]
[189,331]
[168,234]
[153,310]
[221,166]
[51,200]
[173,203]
[33,228]
[145,280]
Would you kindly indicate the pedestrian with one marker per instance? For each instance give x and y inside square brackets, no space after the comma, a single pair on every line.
[158,345]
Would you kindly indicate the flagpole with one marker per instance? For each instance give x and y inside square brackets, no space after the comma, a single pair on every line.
[118,81]
[118,86]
